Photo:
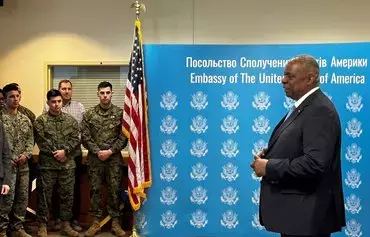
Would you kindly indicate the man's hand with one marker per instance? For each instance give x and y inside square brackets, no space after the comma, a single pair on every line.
[259,163]
[5,189]
[259,166]
[261,154]
[21,160]
[63,159]
[14,164]
[60,155]
[104,155]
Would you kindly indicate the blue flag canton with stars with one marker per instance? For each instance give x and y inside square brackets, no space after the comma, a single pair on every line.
[136,64]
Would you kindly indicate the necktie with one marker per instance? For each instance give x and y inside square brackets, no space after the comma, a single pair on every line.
[290,112]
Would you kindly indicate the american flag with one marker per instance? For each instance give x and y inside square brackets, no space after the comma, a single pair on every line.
[135,124]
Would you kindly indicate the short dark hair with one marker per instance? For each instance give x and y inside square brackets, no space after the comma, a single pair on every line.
[15,84]
[10,87]
[64,81]
[104,84]
[2,92]
[53,93]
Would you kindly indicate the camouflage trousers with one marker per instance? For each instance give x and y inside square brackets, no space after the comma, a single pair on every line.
[47,180]
[112,175]
[13,206]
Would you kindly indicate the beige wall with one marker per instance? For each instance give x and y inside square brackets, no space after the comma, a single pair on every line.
[33,32]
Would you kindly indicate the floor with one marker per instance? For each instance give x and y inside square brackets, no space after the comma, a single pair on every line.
[104,234]
[56,234]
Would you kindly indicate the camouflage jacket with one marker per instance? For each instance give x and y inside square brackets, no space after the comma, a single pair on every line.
[101,130]
[56,133]
[19,133]
[30,115]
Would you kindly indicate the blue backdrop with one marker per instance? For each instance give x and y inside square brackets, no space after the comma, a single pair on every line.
[211,107]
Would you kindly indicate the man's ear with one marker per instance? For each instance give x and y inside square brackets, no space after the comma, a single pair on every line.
[312,78]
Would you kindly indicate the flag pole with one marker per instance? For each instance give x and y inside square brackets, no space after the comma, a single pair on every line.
[138,6]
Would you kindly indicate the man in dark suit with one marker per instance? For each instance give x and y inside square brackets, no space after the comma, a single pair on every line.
[5,169]
[5,163]
[301,189]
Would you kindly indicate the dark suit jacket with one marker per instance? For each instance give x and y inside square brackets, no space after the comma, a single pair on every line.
[5,158]
[302,193]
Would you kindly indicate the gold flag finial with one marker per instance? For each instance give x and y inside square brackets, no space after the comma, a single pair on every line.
[138,6]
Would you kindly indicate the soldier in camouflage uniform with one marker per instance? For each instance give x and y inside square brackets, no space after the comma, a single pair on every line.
[101,134]
[57,136]
[19,133]
[76,109]
[31,165]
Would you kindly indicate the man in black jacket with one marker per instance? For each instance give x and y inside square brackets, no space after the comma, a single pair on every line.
[5,167]
[301,188]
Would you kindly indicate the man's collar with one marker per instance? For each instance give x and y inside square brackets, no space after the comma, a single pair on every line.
[298,102]
[68,103]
